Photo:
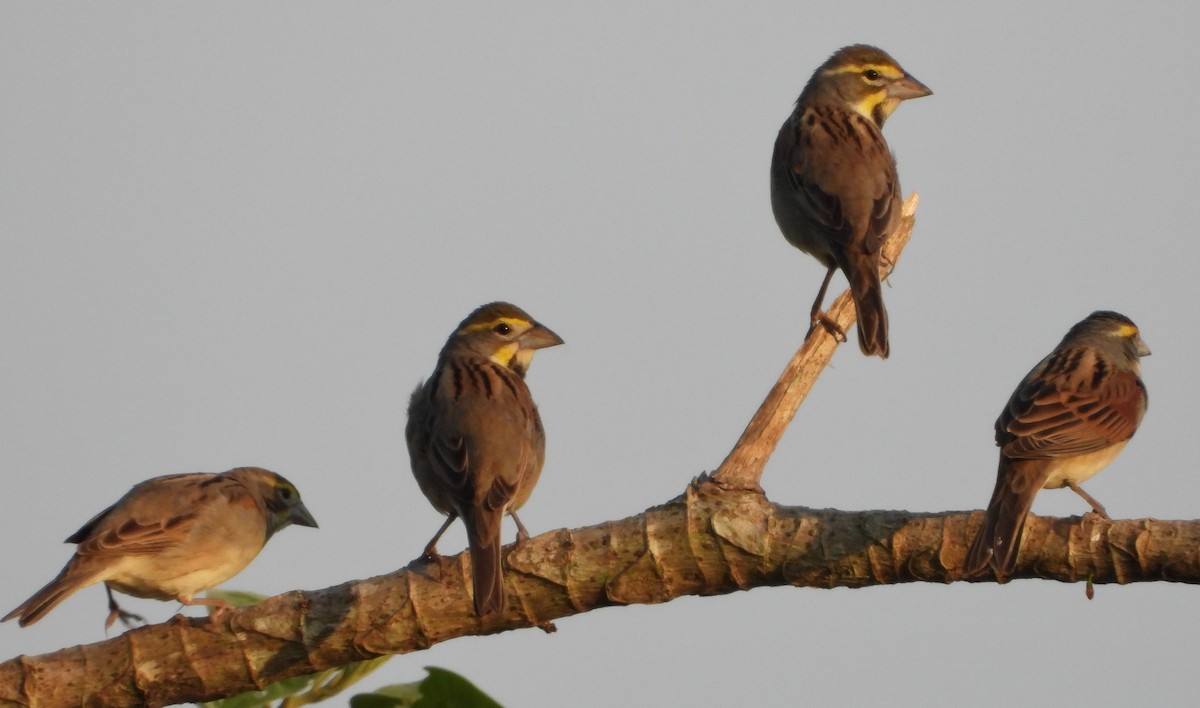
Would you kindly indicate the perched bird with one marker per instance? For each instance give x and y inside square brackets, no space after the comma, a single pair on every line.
[172,537]
[834,188]
[475,437]
[1067,420]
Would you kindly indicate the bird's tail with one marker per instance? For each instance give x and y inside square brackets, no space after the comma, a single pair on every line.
[483,540]
[1017,483]
[46,599]
[872,316]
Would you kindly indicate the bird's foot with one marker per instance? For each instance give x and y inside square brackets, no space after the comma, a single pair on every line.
[218,609]
[116,613]
[522,532]
[889,267]
[129,619]
[832,327]
[1097,507]
[217,613]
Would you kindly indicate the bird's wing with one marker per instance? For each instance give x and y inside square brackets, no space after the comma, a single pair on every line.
[153,516]
[852,191]
[1043,420]
[481,444]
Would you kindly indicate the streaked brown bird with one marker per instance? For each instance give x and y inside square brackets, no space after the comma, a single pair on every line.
[475,437]
[834,187]
[1068,419]
[172,537]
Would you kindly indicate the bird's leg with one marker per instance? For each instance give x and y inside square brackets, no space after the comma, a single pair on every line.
[217,607]
[1096,506]
[431,553]
[522,532]
[817,316]
[116,613]
[889,266]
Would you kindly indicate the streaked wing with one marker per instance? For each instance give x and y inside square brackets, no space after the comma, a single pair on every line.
[150,517]
[885,213]
[852,191]
[452,464]
[1042,421]
[480,440]
[137,536]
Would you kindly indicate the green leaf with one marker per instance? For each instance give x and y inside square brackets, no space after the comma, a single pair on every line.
[446,689]
[303,690]
[236,598]
[397,696]
[260,699]
[441,689]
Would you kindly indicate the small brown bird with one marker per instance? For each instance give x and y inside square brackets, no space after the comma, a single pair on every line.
[1068,419]
[834,188]
[172,537]
[475,437]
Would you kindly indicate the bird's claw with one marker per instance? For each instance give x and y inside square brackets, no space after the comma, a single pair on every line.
[832,327]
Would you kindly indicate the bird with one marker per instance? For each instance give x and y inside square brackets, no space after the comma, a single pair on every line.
[1067,420]
[834,188]
[172,537]
[475,439]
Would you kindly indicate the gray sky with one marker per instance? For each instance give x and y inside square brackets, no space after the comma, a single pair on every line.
[238,234]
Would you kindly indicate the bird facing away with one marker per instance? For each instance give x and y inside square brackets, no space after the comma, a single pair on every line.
[1068,419]
[172,537]
[475,438]
[834,188]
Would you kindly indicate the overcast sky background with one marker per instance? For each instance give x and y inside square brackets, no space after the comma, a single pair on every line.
[238,234]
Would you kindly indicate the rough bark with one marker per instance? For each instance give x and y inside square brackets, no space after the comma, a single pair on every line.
[720,536]
[710,541]
[743,467]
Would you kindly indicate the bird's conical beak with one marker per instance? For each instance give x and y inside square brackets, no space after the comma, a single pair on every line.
[907,88]
[300,516]
[540,337]
[1142,349]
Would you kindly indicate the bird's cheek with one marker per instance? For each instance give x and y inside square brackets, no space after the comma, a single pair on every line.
[889,105]
[505,354]
[523,358]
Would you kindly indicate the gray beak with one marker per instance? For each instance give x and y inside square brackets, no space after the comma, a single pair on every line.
[907,88]
[300,516]
[540,337]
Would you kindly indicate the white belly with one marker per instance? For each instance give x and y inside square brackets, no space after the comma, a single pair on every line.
[169,576]
[1081,467]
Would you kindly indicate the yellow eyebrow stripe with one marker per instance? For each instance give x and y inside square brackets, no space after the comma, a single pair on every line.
[513,322]
[885,70]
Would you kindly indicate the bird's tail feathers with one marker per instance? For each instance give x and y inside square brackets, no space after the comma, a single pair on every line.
[486,573]
[872,316]
[46,599]
[999,538]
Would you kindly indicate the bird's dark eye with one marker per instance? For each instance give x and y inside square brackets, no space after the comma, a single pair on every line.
[502,328]
[285,494]
[871,74]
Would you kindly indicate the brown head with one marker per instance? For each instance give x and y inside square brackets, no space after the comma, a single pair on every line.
[864,78]
[502,332]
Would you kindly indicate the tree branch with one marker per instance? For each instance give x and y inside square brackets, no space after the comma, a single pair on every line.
[743,468]
[720,536]
[709,541]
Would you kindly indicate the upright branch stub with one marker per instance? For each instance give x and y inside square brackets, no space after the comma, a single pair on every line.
[743,468]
